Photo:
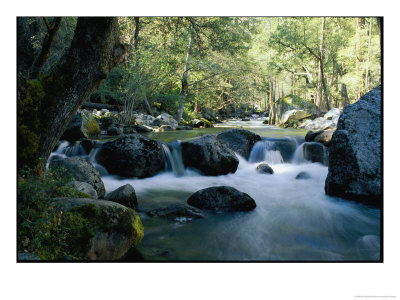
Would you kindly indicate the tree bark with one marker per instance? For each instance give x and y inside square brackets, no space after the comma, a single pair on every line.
[366,85]
[95,50]
[321,66]
[40,61]
[185,76]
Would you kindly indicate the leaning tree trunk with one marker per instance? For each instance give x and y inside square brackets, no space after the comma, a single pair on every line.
[46,106]
[185,77]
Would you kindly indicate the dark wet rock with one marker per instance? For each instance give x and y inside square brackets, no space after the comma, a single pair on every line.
[355,158]
[246,119]
[177,212]
[240,141]
[124,195]
[315,152]
[115,229]
[310,136]
[25,256]
[183,127]
[264,169]
[131,156]
[88,145]
[81,170]
[222,198]
[303,175]
[85,188]
[209,155]
[143,128]
[113,131]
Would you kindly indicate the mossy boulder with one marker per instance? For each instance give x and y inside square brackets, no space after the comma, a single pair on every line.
[293,102]
[83,125]
[84,188]
[81,170]
[109,230]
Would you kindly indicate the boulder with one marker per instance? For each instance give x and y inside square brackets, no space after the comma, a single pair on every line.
[124,195]
[209,155]
[196,123]
[88,145]
[303,175]
[293,102]
[81,170]
[355,159]
[166,128]
[209,114]
[310,136]
[111,229]
[84,187]
[321,124]
[131,156]
[165,119]
[315,152]
[293,115]
[264,169]
[142,119]
[177,212]
[333,114]
[324,137]
[222,198]
[113,131]
[240,141]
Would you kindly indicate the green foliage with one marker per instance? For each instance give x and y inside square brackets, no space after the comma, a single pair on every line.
[169,102]
[40,228]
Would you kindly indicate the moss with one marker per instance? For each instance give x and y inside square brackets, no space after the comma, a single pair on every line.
[92,128]
[207,123]
[293,100]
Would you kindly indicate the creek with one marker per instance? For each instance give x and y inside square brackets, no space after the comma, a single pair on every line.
[294,219]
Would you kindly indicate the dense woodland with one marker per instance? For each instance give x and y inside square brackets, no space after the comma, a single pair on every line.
[183,64]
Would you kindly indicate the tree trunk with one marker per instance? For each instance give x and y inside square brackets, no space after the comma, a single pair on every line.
[366,85]
[271,103]
[358,70]
[345,97]
[321,66]
[185,76]
[57,95]
[40,61]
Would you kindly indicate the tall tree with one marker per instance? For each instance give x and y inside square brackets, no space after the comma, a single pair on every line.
[46,105]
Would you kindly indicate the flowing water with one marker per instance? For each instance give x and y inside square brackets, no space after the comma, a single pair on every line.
[294,220]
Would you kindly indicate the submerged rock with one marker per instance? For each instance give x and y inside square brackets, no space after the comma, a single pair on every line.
[303,175]
[240,141]
[81,170]
[209,155]
[355,165]
[131,156]
[111,228]
[124,195]
[177,212]
[222,198]
[264,169]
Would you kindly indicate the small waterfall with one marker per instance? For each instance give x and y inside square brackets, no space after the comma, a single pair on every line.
[298,156]
[265,151]
[92,159]
[173,158]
